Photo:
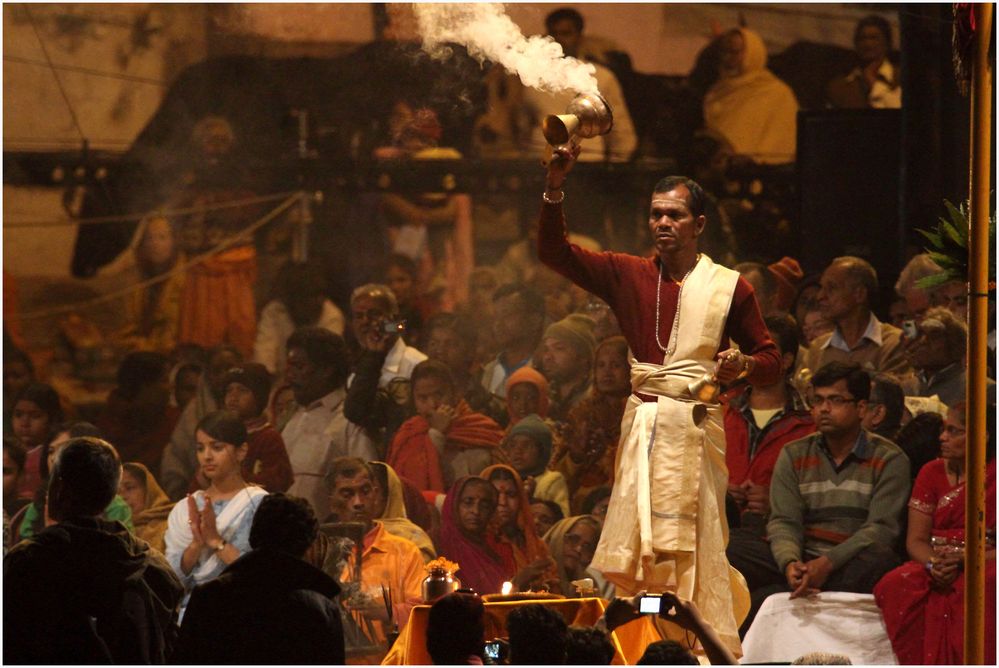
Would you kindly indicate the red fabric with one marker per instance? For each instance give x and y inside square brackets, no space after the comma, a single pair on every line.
[789,427]
[482,566]
[417,510]
[31,475]
[266,463]
[139,434]
[926,626]
[412,454]
[628,284]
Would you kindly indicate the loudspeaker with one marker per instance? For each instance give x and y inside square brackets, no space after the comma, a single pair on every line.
[849,185]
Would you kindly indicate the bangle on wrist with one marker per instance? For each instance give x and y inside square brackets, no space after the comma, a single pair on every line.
[220,546]
[745,368]
[552,200]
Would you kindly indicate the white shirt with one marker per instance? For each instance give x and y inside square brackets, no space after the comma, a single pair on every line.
[400,362]
[315,436]
[872,333]
[276,325]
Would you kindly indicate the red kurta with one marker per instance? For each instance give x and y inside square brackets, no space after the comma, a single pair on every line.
[628,284]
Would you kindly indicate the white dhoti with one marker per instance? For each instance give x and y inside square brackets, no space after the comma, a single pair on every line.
[665,526]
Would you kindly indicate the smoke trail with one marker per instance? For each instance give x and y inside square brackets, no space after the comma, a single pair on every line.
[488,33]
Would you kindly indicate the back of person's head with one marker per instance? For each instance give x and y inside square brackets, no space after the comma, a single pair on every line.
[564,14]
[940,321]
[667,653]
[919,267]
[784,331]
[822,659]
[139,369]
[85,478]
[588,646]
[456,629]
[858,381]
[695,201]
[538,635]
[284,523]
[886,391]
[920,440]
[224,426]
[324,349]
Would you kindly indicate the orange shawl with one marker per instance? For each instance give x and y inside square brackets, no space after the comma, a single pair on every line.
[413,456]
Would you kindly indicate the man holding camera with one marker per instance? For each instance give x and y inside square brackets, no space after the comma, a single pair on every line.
[378,390]
[665,525]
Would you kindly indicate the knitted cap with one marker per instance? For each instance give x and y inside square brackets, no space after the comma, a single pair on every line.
[531,376]
[254,377]
[537,429]
[788,274]
[576,330]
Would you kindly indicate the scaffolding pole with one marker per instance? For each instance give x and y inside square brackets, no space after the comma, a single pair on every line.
[978,324]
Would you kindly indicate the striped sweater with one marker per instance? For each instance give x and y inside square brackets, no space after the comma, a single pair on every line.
[817,509]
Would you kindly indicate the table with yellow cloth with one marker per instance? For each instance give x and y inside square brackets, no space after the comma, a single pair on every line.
[629,640]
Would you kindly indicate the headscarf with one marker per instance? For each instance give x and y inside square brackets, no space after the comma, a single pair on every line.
[555,538]
[151,523]
[536,428]
[531,376]
[755,111]
[534,547]
[413,455]
[484,568]
[395,518]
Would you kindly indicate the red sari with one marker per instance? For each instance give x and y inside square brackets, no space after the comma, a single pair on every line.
[926,626]
[483,566]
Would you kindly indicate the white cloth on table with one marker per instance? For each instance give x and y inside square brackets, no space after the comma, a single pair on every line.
[834,622]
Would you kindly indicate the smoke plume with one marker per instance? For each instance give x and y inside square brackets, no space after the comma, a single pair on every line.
[489,34]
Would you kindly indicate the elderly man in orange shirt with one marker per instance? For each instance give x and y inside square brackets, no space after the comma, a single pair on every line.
[386,559]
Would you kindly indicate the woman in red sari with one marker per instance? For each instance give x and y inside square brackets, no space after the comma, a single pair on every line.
[922,601]
[513,524]
[484,562]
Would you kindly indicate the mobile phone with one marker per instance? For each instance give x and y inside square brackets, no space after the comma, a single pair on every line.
[909,328]
[492,650]
[650,604]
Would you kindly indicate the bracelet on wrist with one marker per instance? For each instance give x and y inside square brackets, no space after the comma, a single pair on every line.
[558,196]
[220,546]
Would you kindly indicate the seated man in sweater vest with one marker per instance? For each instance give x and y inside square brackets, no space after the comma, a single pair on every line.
[836,501]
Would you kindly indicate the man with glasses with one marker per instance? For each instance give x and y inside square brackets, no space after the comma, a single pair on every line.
[836,501]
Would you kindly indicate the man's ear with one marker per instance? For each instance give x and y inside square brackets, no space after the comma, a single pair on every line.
[699,223]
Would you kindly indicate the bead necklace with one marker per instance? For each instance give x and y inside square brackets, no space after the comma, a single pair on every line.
[676,317]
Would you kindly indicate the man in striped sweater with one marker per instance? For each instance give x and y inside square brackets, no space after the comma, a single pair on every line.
[836,501]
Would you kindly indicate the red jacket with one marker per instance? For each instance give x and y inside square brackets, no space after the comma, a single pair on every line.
[794,423]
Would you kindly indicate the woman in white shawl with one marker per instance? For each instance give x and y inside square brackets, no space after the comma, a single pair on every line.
[753,109]
[210,529]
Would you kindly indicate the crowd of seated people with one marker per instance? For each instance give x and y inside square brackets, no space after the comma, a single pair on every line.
[443,413]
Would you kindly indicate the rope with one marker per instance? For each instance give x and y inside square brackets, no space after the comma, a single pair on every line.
[198,259]
[87,70]
[55,75]
[124,218]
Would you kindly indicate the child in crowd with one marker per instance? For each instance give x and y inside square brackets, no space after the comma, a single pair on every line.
[36,411]
[266,464]
[529,448]
[445,440]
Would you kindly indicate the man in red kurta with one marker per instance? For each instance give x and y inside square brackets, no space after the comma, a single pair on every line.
[679,311]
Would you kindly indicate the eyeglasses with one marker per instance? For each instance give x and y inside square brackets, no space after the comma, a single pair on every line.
[834,400]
